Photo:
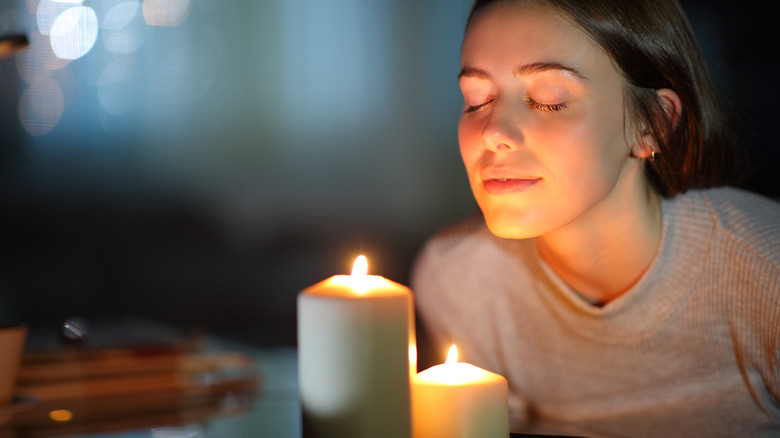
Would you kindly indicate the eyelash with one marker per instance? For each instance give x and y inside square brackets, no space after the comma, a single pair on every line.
[545,107]
[475,108]
[534,105]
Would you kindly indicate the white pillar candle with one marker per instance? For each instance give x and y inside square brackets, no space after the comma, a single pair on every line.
[459,400]
[354,334]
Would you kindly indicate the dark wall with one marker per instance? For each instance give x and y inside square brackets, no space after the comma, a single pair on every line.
[743,53]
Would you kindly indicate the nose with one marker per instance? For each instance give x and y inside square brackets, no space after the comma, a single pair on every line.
[502,130]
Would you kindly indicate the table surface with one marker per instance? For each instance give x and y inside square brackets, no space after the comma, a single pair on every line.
[273,411]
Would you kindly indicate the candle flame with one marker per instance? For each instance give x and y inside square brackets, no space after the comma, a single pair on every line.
[360,267]
[452,356]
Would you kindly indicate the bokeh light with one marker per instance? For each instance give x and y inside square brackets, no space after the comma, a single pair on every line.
[41,106]
[47,12]
[38,61]
[120,15]
[115,96]
[166,12]
[66,30]
[74,32]
[123,29]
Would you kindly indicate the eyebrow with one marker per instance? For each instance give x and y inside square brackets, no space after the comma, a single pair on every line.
[521,70]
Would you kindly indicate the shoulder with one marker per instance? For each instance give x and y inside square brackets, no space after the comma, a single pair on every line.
[735,206]
[739,249]
[746,258]
[747,219]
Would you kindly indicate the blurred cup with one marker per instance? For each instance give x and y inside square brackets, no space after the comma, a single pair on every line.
[12,339]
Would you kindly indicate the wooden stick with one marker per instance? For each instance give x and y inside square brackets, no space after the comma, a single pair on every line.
[116,365]
[77,355]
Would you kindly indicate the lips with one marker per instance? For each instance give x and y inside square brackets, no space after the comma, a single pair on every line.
[498,186]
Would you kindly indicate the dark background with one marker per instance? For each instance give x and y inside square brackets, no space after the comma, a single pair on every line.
[203,173]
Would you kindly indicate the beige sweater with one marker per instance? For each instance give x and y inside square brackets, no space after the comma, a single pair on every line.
[692,350]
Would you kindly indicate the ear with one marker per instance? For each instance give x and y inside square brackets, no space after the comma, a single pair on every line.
[671,104]
[672,107]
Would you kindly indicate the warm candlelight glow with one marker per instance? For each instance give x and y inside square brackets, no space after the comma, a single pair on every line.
[452,372]
[358,284]
[452,356]
[360,267]
[61,415]
[459,400]
[354,334]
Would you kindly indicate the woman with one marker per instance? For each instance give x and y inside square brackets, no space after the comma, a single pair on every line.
[606,278]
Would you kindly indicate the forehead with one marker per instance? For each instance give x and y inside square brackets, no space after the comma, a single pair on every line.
[525,31]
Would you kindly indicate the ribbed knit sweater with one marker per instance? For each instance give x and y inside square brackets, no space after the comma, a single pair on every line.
[692,350]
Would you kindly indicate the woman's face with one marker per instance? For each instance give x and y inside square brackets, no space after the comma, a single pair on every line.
[544,134]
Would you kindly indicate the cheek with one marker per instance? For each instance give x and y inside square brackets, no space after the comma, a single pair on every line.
[469,142]
[591,137]
[589,155]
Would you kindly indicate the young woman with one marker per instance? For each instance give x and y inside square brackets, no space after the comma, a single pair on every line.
[606,278]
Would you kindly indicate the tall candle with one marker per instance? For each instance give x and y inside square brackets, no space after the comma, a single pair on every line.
[354,335]
[459,400]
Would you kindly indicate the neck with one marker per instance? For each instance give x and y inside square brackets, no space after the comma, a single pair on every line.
[603,253]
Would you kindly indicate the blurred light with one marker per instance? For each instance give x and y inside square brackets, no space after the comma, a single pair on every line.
[115,96]
[61,415]
[166,12]
[32,6]
[66,79]
[46,13]
[123,29]
[120,15]
[40,107]
[117,70]
[74,32]
[38,61]
[73,2]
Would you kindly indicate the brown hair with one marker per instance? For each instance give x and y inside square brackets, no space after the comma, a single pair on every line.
[653,45]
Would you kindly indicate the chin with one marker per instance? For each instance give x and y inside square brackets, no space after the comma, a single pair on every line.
[510,227]
[514,217]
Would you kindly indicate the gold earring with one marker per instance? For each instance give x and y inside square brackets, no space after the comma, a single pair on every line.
[653,153]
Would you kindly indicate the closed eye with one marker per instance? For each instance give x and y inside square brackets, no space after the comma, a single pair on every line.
[534,105]
[475,108]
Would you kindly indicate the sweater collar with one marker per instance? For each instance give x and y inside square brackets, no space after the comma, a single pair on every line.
[687,232]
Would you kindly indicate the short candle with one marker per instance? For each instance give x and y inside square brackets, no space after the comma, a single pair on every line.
[459,400]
